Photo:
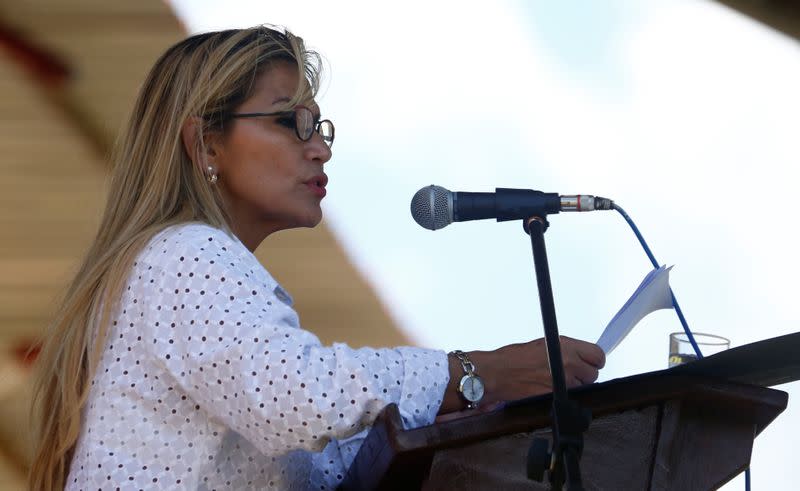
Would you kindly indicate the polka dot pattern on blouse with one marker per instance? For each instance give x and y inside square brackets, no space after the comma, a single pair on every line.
[207,381]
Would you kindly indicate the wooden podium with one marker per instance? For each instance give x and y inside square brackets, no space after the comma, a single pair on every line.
[687,428]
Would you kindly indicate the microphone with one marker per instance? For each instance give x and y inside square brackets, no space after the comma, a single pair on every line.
[434,207]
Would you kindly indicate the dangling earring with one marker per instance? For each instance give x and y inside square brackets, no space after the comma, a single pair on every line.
[211,174]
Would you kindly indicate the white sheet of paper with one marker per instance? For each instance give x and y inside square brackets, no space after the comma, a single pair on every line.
[651,295]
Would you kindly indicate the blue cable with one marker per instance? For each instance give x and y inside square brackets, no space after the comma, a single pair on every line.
[657,265]
[678,310]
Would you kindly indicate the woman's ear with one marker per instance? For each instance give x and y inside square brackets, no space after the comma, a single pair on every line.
[201,155]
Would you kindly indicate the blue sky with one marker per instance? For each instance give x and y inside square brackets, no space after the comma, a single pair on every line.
[684,112]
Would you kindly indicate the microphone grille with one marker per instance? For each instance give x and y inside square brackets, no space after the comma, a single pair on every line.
[432,207]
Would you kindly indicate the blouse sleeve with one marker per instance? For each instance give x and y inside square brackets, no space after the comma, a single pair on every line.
[226,333]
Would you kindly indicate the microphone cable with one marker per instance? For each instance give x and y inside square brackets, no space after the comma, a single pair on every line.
[678,310]
[656,265]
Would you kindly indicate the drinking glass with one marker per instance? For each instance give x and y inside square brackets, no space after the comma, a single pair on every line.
[681,351]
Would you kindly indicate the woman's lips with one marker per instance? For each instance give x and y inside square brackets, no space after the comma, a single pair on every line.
[317,187]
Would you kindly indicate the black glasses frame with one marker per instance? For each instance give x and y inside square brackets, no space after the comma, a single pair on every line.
[316,126]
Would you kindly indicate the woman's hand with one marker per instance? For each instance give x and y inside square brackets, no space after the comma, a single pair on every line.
[521,370]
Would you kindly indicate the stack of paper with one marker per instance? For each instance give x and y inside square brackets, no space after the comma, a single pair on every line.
[653,294]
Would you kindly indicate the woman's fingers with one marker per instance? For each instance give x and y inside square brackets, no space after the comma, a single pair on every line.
[583,372]
[573,381]
[588,352]
[593,355]
[578,373]
[582,361]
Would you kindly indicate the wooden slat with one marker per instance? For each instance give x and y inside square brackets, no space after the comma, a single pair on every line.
[50,196]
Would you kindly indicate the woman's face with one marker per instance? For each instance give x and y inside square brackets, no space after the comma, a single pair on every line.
[269,178]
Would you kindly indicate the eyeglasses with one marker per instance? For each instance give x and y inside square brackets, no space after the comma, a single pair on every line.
[302,120]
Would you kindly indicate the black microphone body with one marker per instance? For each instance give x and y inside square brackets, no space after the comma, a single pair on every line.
[504,204]
[434,207]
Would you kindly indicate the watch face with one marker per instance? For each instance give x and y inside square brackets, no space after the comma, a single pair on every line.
[472,388]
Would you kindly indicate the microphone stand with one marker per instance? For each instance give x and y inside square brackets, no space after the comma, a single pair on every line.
[569,420]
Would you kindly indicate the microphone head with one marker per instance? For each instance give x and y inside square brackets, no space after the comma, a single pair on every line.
[432,207]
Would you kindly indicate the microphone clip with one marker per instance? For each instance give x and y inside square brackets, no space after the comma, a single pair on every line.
[526,224]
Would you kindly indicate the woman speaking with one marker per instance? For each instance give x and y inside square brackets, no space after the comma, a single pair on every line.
[176,360]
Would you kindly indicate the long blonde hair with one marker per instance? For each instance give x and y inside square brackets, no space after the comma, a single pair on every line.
[154,184]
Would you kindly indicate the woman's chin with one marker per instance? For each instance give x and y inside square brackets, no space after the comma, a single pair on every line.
[315,221]
[311,220]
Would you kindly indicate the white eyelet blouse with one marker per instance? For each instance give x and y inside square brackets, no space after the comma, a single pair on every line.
[208,382]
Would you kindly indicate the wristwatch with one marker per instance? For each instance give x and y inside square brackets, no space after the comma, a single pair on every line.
[471,385]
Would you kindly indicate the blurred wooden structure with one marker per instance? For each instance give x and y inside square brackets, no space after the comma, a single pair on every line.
[782,15]
[69,72]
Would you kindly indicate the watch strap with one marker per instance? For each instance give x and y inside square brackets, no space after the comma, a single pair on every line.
[466,363]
